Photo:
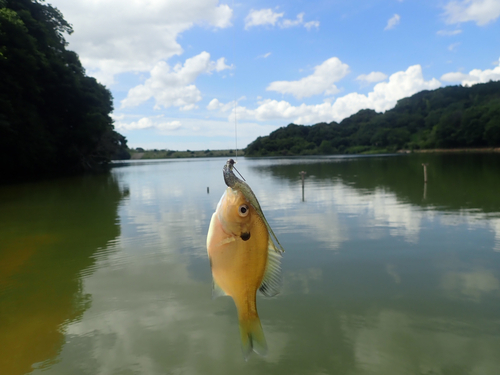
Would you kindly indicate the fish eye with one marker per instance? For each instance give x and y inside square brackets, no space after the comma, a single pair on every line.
[243,210]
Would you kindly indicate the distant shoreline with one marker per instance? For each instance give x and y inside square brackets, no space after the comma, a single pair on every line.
[153,155]
[171,154]
[450,150]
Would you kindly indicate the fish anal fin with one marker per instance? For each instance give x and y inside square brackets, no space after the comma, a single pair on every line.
[217,291]
[271,283]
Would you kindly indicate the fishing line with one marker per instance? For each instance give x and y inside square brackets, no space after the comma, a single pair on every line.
[235,125]
[234,98]
[239,173]
[231,164]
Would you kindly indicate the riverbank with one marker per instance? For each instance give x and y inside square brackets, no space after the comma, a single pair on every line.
[171,154]
[440,150]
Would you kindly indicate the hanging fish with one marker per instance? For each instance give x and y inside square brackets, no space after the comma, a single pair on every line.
[244,256]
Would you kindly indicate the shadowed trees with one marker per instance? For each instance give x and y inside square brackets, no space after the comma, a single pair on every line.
[53,118]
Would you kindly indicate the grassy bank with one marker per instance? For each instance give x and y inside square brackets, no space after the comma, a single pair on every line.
[432,150]
[360,150]
[171,154]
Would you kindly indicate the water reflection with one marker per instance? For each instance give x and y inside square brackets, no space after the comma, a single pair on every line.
[437,346]
[376,280]
[386,191]
[50,236]
[458,181]
[474,284]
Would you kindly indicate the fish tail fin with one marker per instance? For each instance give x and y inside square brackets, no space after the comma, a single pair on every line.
[252,337]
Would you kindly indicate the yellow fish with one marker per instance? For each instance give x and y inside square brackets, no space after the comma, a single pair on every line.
[243,257]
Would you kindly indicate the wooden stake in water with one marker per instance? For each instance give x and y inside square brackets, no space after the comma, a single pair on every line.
[425,180]
[302,174]
[425,171]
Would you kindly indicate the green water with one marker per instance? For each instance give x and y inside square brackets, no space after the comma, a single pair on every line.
[382,275]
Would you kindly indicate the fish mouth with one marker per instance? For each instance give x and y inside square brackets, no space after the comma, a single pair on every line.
[229,177]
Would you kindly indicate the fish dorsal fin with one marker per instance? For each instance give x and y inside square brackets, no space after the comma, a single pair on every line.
[217,290]
[271,283]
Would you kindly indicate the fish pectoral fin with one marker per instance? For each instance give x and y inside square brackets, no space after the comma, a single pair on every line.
[226,240]
[217,291]
[271,283]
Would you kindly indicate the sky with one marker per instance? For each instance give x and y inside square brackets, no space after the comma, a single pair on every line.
[209,74]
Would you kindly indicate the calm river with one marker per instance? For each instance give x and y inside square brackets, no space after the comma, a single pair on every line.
[108,274]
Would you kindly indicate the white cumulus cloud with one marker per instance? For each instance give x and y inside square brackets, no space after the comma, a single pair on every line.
[481,12]
[383,97]
[262,17]
[309,25]
[269,17]
[322,81]
[386,94]
[393,22]
[473,77]
[220,65]
[217,133]
[371,77]
[112,37]
[174,86]
[214,104]
[299,21]
[292,23]
[148,123]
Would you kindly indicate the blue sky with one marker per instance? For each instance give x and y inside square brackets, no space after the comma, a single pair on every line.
[185,74]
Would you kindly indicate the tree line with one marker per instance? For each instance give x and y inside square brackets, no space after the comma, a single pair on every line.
[448,117]
[54,119]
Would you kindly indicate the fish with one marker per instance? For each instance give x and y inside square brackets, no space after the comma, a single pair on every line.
[245,257]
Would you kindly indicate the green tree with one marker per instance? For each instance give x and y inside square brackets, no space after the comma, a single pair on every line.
[326,147]
[53,118]
[453,116]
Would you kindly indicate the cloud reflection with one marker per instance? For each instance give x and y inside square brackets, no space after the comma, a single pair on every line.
[382,345]
[373,283]
[473,285]
[334,198]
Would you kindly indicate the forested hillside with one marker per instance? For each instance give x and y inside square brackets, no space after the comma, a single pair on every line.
[448,117]
[53,118]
